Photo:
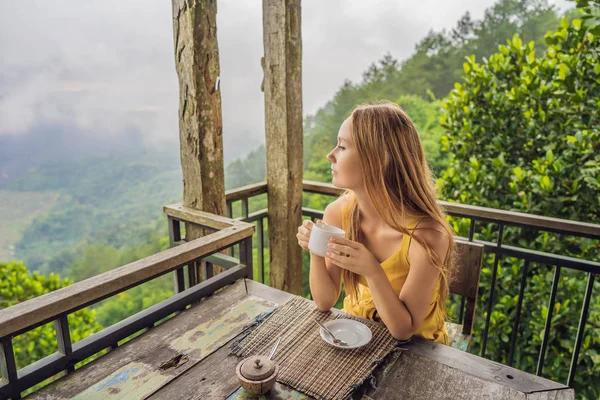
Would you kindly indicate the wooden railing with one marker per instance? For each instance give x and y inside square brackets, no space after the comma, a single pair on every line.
[477,216]
[56,306]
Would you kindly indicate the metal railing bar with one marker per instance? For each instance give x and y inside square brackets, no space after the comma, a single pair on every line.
[581,328]
[540,365]
[492,291]
[8,367]
[261,249]
[515,331]
[255,216]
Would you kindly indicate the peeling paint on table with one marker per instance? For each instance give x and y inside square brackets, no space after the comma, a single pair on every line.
[132,381]
[137,380]
[209,336]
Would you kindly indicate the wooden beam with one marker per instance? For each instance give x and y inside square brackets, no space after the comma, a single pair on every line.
[208,220]
[322,188]
[524,219]
[283,118]
[200,120]
[246,192]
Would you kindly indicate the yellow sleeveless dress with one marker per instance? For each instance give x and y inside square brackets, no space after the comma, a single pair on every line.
[396,269]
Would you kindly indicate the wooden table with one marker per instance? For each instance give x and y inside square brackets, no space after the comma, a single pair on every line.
[187,357]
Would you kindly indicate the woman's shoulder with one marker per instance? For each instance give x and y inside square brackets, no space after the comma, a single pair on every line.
[433,233]
[334,211]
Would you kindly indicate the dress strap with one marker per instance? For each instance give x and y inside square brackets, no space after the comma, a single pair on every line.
[412,227]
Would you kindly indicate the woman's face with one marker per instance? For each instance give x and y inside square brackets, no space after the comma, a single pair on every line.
[345,165]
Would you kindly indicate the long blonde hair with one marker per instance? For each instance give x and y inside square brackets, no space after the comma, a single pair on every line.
[398,182]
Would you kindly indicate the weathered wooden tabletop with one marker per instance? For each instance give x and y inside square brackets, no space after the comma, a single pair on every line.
[187,357]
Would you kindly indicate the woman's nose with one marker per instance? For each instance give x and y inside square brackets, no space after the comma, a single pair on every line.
[330,157]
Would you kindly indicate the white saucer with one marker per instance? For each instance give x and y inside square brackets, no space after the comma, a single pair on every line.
[354,333]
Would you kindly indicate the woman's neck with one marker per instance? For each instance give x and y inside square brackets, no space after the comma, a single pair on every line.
[369,213]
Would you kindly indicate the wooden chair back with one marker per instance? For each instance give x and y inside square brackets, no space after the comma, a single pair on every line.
[466,279]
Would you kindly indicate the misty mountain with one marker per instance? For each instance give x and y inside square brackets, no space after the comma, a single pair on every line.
[49,143]
[55,143]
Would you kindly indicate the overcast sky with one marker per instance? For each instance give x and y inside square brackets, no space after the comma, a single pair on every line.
[106,67]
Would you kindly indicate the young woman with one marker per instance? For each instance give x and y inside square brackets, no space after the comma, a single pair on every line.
[395,261]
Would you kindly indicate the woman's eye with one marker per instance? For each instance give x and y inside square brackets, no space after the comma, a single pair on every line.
[341,147]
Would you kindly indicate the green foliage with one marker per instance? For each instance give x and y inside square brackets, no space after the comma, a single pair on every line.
[94,259]
[134,300]
[535,118]
[250,169]
[437,61]
[522,134]
[18,285]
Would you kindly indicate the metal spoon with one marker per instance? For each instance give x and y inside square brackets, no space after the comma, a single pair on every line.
[335,340]
[274,348]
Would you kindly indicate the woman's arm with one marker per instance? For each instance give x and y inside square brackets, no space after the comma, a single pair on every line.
[404,314]
[325,277]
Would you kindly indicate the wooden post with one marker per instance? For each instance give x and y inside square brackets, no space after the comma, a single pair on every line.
[283,119]
[200,120]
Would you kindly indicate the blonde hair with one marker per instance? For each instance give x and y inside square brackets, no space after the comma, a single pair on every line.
[398,182]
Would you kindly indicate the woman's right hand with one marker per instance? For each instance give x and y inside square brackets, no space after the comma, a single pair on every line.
[303,234]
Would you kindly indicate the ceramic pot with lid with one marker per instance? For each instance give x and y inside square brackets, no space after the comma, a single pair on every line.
[257,374]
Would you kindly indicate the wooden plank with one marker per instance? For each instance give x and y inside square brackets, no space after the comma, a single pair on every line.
[523,219]
[166,351]
[200,119]
[416,377]
[265,292]
[213,378]
[255,216]
[469,267]
[478,367]
[206,219]
[134,381]
[322,188]
[283,118]
[47,307]
[381,373]
[566,394]
[466,283]
[247,191]
[223,260]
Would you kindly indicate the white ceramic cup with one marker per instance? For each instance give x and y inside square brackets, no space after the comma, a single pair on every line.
[319,237]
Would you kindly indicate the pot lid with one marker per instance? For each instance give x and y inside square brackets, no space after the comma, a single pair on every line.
[257,368]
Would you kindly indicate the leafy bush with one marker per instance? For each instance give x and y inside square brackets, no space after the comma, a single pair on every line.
[18,285]
[522,133]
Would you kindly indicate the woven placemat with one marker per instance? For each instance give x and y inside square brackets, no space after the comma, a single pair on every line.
[306,362]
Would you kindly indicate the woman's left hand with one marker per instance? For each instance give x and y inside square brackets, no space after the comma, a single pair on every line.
[354,257]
